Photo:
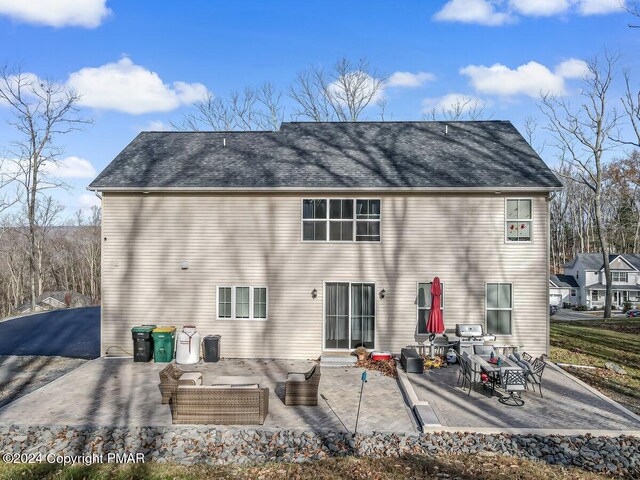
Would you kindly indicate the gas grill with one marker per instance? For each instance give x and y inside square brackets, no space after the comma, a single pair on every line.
[467,335]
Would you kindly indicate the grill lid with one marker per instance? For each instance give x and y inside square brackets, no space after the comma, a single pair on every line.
[466,330]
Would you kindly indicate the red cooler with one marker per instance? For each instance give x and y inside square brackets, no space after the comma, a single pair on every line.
[376,356]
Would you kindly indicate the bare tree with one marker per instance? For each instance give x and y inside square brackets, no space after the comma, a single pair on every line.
[632,7]
[41,111]
[631,105]
[460,108]
[340,94]
[583,134]
[250,109]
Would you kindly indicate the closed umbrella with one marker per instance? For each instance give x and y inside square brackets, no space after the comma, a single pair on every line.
[435,324]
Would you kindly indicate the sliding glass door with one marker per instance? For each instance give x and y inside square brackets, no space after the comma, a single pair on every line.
[349,315]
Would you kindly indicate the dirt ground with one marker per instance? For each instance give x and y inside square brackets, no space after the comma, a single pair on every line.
[20,375]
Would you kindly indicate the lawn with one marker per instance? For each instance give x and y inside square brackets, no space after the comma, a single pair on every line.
[419,467]
[594,342]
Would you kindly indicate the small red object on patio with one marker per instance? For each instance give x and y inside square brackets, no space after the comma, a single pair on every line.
[376,356]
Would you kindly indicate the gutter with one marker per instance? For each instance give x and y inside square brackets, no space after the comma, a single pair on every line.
[497,190]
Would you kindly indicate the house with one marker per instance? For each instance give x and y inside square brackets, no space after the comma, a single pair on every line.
[54,301]
[587,269]
[323,237]
[563,289]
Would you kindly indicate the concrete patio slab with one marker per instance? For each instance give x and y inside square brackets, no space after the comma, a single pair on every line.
[119,392]
[566,405]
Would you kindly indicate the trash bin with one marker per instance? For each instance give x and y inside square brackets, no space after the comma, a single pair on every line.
[212,348]
[164,341]
[142,343]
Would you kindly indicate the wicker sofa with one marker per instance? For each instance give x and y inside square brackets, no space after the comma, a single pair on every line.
[302,388]
[171,376]
[220,404]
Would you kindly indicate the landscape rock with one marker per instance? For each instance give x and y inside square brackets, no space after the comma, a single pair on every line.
[614,367]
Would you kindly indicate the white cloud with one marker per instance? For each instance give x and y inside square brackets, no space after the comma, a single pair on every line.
[365,83]
[600,7]
[483,12]
[86,201]
[540,8]
[130,88]
[500,12]
[410,80]
[529,79]
[572,68]
[157,126]
[56,13]
[70,167]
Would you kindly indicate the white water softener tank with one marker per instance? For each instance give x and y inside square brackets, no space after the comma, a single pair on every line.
[188,348]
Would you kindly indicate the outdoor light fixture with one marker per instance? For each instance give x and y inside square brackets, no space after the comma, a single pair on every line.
[383,293]
[184,265]
[314,293]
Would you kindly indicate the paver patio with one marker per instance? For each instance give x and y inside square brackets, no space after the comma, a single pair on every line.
[119,392]
[566,405]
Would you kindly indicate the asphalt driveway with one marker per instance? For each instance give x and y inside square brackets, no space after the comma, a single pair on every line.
[73,332]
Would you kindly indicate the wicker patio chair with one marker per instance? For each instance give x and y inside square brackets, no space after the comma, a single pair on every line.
[302,388]
[171,376]
[220,405]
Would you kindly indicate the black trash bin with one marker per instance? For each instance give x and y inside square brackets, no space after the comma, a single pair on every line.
[142,343]
[212,348]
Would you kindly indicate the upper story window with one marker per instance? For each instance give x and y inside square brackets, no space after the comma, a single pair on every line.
[620,277]
[499,308]
[340,220]
[519,217]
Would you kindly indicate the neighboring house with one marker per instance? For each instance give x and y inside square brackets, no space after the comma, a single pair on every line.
[55,301]
[325,236]
[563,289]
[587,269]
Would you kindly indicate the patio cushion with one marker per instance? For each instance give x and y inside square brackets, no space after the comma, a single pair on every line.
[255,385]
[296,377]
[194,377]
[218,386]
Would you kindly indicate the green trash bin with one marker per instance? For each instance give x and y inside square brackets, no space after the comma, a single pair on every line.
[164,343]
[142,343]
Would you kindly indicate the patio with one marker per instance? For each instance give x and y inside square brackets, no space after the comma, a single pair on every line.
[566,404]
[119,392]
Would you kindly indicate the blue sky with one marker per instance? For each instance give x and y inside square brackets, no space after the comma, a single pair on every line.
[125,57]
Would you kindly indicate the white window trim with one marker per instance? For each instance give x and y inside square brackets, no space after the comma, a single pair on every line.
[442,305]
[486,308]
[618,274]
[327,220]
[507,220]
[233,303]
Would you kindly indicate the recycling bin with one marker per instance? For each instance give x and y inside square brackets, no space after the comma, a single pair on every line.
[212,348]
[142,343]
[164,341]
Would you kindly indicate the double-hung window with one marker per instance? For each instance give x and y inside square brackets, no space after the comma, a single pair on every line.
[340,220]
[499,308]
[619,277]
[424,305]
[242,303]
[518,220]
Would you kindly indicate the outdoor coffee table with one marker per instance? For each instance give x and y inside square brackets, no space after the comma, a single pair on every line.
[237,380]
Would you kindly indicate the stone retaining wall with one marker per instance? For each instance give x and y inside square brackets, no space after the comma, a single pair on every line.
[188,445]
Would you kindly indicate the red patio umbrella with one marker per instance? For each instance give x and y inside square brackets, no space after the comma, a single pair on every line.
[435,325]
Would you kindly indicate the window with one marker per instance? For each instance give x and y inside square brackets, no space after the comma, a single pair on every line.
[424,305]
[499,305]
[340,220]
[242,302]
[314,223]
[574,292]
[367,220]
[594,295]
[518,220]
[619,277]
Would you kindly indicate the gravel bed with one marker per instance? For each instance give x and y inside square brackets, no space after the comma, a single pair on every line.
[617,456]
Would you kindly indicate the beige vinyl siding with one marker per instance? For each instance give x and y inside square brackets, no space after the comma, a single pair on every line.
[255,239]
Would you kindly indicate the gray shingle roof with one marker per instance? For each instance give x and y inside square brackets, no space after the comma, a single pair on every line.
[344,155]
[564,281]
[600,286]
[593,261]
